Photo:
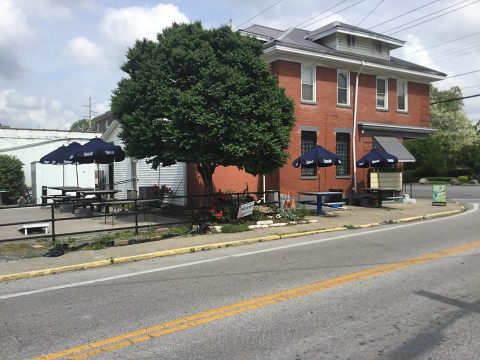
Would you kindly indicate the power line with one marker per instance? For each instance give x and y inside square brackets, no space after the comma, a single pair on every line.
[454,99]
[401,15]
[462,74]
[436,17]
[425,16]
[321,13]
[258,14]
[335,13]
[442,43]
[371,11]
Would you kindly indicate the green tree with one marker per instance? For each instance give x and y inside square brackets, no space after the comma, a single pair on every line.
[203,96]
[442,95]
[454,134]
[12,177]
[81,125]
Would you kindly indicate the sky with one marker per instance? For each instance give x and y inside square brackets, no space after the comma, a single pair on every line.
[56,54]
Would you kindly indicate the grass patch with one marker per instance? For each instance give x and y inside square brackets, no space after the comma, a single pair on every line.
[234,228]
[174,231]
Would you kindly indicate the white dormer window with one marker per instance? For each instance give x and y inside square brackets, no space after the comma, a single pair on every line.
[343,87]
[377,46]
[308,83]
[382,93]
[351,40]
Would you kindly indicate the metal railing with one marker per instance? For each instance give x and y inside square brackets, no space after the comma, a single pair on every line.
[195,210]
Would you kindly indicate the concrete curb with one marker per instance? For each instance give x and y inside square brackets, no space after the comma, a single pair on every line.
[197,248]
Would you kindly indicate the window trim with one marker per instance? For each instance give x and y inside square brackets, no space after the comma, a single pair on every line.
[314,90]
[402,81]
[340,71]
[386,92]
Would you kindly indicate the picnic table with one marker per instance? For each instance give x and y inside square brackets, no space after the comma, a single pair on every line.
[321,196]
[99,194]
[99,197]
[70,189]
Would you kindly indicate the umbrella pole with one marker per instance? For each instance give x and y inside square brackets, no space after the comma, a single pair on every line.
[76,171]
[63,168]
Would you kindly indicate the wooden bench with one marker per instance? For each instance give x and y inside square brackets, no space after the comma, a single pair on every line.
[35,226]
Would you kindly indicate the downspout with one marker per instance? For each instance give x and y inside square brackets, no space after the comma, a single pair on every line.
[354,131]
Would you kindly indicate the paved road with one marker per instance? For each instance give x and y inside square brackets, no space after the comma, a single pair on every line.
[457,193]
[348,295]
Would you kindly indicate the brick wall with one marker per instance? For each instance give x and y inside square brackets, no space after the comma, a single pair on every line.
[326,116]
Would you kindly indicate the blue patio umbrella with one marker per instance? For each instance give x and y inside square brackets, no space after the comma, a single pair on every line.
[61,156]
[318,156]
[54,157]
[100,152]
[376,158]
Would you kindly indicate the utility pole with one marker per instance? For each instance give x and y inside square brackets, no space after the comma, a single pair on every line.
[90,112]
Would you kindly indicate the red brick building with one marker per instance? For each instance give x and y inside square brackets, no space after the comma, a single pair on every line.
[349,94]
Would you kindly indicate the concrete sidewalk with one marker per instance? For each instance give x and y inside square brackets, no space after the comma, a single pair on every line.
[341,220]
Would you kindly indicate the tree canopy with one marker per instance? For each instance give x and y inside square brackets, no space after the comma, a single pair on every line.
[12,177]
[455,141]
[203,96]
[81,125]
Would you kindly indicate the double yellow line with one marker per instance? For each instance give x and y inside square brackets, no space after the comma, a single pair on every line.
[124,340]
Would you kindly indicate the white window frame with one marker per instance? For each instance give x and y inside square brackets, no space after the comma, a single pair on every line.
[379,49]
[314,90]
[403,82]
[345,72]
[386,92]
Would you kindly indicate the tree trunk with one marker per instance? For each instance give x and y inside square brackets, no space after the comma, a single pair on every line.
[206,172]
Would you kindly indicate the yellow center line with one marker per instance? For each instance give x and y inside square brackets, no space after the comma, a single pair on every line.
[152,332]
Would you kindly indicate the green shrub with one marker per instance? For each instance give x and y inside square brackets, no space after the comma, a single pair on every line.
[463,179]
[293,214]
[12,178]
[233,228]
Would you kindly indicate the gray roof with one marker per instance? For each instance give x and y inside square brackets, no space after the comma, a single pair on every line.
[298,39]
[263,31]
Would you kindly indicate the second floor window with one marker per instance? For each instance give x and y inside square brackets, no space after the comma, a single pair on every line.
[308,83]
[377,46]
[351,40]
[343,152]
[382,93]
[402,95]
[343,87]
[308,141]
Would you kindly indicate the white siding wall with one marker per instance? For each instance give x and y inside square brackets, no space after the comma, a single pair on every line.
[171,176]
[363,46]
[30,145]
[330,41]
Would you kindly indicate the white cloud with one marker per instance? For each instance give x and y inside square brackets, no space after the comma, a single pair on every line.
[123,26]
[85,52]
[414,51]
[20,110]
[13,24]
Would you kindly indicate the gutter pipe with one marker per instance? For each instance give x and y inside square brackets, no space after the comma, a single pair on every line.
[354,131]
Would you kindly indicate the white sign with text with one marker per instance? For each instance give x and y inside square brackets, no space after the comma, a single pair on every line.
[245,209]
